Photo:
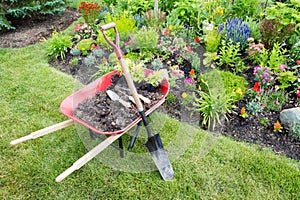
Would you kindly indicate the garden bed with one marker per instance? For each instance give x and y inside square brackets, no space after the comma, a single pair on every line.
[249,129]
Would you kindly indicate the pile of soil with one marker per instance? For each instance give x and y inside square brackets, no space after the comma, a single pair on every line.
[31,31]
[107,115]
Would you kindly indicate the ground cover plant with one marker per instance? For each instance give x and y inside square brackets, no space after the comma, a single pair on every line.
[235,87]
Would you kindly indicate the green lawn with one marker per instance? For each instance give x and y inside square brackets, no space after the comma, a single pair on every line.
[208,167]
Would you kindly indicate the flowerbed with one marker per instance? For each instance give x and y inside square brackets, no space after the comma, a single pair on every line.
[229,70]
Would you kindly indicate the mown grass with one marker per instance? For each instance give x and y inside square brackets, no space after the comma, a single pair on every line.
[209,166]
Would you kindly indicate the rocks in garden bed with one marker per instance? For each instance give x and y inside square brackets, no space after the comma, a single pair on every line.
[290,115]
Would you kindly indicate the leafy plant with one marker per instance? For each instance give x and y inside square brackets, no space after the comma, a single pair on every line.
[170,98]
[275,100]
[156,77]
[75,52]
[264,121]
[58,45]
[235,31]
[74,61]
[294,130]
[98,53]
[254,26]
[153,19]
[85,44]
[212,40]
[230,57]
[157,64]
[145,39]
[89,61]
[254,107]
[213,103]
[244,8]
[235,86]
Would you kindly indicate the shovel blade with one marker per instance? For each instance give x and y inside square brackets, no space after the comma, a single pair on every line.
[160,157]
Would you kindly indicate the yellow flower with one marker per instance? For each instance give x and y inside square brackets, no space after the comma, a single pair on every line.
[170,27]
[239,91]
[184,95]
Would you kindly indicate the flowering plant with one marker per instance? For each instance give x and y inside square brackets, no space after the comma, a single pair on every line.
[243,113]
[277,127]
[235,30]
[255,51]
[265,76]
[89,11]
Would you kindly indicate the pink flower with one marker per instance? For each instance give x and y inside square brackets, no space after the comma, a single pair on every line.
[250,39]
[298,62]
[298,93]
[282,67]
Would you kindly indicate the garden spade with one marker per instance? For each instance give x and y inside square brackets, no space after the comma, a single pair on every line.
[154,143]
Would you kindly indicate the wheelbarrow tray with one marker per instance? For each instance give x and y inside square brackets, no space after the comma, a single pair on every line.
[70,103]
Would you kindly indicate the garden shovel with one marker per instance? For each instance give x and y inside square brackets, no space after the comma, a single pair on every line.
[154,143]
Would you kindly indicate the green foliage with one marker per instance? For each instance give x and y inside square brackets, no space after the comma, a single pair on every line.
[89,60]
[254,107]
[98,53]
[156,77]
[145,39]
[58,45]
[125,24]
[157,64]
[294,130]
[212,40]
[112,59]
[286,79]
[74,61]
[85,44]
[276,57]
[254,26]
[234,85]
[264,121]
[230,57]
[213,103]
[75,52]
[155,20]
[244,8]
[274,101]
[20,9]
[170,98]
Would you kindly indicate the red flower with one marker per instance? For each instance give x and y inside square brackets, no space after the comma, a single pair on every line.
[197,39]
[166,33]
[298,62]
[256,86]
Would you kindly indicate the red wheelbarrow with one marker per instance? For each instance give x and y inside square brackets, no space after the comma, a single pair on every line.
[69,104]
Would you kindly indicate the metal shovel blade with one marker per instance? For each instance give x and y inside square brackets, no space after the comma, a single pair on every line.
[160,157]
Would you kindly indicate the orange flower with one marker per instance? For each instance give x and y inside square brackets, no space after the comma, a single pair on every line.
[243,112]
[192,72]
[277,127]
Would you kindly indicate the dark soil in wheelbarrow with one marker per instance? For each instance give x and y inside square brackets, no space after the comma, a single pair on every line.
[107,115]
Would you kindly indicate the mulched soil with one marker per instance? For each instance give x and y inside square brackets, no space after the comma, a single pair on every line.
[31,31]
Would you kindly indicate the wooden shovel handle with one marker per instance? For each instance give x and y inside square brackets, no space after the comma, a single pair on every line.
[43,131]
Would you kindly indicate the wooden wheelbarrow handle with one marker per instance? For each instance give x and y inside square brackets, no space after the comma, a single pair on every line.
[43,131]
[88,156]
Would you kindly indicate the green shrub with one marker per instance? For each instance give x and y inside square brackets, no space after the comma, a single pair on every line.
[235,85]
[58,45]
[85,44]
[145,39]
[125,24]
[75,52]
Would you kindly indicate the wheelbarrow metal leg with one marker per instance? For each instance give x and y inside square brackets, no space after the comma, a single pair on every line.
[136,132]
